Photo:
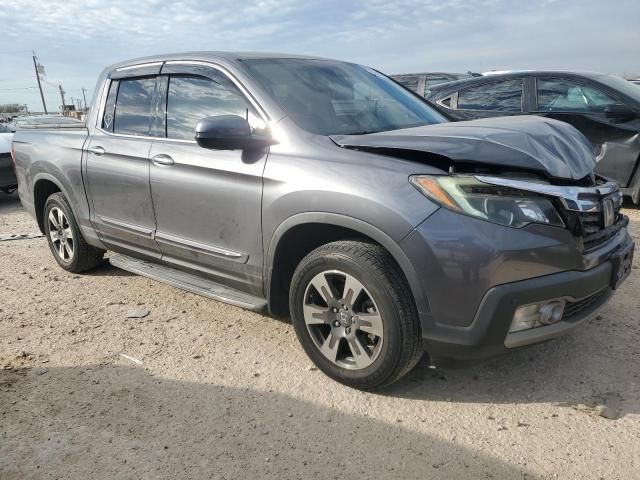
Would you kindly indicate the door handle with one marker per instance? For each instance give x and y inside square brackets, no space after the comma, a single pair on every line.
[96,150]
[162,160]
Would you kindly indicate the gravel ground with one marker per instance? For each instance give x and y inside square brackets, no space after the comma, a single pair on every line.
[199,389]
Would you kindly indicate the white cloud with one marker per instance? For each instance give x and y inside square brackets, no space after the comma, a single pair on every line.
[76,39]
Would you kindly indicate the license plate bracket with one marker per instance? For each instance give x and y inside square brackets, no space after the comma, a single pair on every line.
[622,262]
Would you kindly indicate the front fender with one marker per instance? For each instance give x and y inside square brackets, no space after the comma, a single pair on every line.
[360,226]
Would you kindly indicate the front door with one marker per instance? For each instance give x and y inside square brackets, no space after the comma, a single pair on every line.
[118,168]
[207,202]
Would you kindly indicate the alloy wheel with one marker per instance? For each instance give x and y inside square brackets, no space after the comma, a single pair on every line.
[61,235]
[343,319]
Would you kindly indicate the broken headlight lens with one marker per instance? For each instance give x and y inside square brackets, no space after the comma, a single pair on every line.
[501,205]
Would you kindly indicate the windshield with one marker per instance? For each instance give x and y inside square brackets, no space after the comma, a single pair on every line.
[623,86]
[335,98]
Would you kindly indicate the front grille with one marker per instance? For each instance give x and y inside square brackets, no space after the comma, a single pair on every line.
[590,226]
[573,311]
[593,240]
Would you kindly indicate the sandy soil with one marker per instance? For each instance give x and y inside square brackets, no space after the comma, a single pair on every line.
[212,391]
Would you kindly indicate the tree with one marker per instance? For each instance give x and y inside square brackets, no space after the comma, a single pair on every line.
[11,108]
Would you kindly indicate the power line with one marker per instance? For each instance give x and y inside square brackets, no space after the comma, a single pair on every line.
[17,88]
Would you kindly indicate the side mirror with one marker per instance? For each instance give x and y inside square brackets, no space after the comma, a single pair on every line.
[229,132]
[620,112]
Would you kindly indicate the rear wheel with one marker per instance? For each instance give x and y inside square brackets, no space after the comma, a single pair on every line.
[354,315]
[65,239]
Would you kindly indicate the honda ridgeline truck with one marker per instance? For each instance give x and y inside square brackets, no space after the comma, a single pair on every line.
[324,191]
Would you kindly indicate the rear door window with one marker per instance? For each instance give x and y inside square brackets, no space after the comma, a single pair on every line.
[564,95]
[192,98]
[498,96]
[133,106]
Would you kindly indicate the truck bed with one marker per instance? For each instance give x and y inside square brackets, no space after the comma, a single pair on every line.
[51,155]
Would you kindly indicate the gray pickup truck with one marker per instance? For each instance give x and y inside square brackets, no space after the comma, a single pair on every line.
[324,191]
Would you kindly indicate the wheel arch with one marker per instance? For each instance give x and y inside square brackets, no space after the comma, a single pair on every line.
[301,233]
[44,186]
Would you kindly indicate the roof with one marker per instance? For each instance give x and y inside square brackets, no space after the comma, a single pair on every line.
[396,75]
[584,73]
[515,74]
[210,56]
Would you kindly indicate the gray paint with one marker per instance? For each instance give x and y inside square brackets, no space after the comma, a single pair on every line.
[223,213]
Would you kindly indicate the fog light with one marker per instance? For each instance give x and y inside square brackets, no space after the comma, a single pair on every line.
[551,312]
[537,315]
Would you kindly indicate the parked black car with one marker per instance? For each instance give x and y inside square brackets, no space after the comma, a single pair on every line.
[422,82]
[605,108]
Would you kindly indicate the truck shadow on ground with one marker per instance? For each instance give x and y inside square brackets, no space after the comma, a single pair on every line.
[107,421]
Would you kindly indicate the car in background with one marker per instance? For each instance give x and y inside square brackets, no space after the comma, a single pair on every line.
[422,82]
[605,108]
[40,120]
[8,181]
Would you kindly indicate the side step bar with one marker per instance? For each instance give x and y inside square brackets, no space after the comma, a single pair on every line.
[189,282]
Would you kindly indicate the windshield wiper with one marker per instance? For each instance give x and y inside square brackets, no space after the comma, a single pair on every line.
[363,132]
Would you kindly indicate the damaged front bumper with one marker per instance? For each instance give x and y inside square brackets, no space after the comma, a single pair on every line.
[476,274]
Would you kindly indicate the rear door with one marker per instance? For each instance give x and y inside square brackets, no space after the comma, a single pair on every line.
[207,202]
[582,104]
[118,167]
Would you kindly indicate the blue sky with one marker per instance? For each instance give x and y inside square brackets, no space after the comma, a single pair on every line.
[74,40]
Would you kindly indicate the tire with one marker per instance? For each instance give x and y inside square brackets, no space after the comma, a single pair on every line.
[61,228]
[367,342]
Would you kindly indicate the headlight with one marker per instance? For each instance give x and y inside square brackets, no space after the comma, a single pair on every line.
[502,205]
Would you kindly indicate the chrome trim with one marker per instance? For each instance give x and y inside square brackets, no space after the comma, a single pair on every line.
[183,242]
[572,197]
[138,65]
[137,229]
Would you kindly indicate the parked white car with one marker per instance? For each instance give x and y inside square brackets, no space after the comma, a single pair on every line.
[8,182]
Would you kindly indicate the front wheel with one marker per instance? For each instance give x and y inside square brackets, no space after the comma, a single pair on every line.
[65,239]
[354,315]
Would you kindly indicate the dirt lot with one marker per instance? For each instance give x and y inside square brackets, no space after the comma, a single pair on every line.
[217,392]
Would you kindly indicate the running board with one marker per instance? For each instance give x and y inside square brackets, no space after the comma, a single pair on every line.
[189,282]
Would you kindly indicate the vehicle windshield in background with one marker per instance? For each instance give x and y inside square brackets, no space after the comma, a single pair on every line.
[4,129]
[335,98]
[625,86]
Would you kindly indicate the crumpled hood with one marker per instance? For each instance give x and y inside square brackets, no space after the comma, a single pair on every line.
[548,146]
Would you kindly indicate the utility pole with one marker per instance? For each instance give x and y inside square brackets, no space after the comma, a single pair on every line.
[35,66]
[62,96]
[85,99]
